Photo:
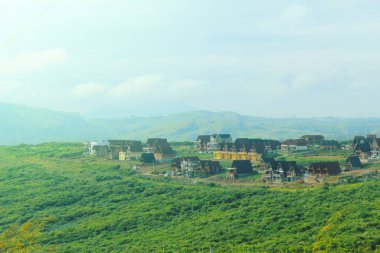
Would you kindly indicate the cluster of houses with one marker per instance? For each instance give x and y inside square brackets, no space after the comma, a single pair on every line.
[247,156]
[244,152]
[369,146]
[154,150]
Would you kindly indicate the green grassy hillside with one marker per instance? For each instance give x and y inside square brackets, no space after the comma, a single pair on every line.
[91,205]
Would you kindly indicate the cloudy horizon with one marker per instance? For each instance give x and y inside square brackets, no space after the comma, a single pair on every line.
[121,58]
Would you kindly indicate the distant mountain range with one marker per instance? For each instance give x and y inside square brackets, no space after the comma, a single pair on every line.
[20,124]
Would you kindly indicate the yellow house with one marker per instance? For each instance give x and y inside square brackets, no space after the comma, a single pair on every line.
[223,155]
[122,156]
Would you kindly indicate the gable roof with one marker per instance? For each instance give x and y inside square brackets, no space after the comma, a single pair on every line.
[242,166]
[214,166]
[329,168]
[375,143]
[354,161]
[154,141]
[297,142]
[286,166]
[135,146]
[147,158]
[204,138]
[164,148]
[223,136]
[362,145]
[357,139]
[259,147]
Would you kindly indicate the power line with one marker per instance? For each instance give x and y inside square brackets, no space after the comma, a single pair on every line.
[28,26]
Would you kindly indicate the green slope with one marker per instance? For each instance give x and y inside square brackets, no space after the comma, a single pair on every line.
[102,206]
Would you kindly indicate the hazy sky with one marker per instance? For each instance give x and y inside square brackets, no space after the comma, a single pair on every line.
[107,58]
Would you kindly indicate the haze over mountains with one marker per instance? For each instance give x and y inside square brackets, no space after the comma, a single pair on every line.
[20,124]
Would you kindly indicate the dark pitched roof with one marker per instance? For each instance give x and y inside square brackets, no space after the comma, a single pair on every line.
[259,147]
[242,166]
[135,146]
[164,148]
[362,145]
[248,145]
[147,158]
[212,166]
[371,137]
[286,166]
[226,146]
[223,136]
[154,141]
[329,168]
[376,142]
[243,145]
[297,142]
[357,139]
[267,160]
[354,161]
[273,144]
[204,138]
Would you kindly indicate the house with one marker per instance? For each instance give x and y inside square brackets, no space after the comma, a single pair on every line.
[353,162]
[264,163]
[324,168]
[361,144]
[242,167]
[190,165]
[147,158]
[125,149]
[241,149]
[193,166]
[209,167]
[210,143]
[99,148]
[272,145]
[371,137]
[216,140]
[281,171]
[202,141]
[313,139]
[161,149]
[294,145]
[375,147]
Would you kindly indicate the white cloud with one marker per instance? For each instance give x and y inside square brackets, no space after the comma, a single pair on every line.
[89,89]
[31,61]
[136,86]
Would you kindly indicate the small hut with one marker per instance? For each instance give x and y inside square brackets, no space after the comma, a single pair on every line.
[353,162]
[147,158]
[242,166]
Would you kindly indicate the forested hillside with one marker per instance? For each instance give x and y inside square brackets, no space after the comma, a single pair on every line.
[91,205]
[19,124]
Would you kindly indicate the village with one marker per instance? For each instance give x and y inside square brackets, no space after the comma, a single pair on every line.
[311,159]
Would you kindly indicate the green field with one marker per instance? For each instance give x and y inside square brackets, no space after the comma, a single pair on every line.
[80,204]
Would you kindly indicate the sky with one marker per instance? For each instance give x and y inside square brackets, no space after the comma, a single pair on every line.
[121,58]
